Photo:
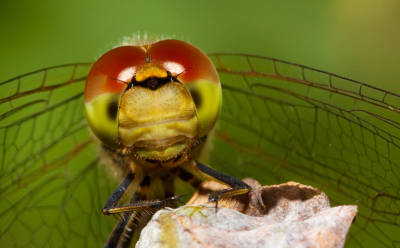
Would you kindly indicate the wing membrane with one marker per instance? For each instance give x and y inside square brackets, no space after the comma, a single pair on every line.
[284,122]
[52,190]
[280,122]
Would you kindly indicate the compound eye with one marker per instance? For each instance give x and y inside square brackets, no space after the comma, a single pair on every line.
[177,56]
[199,76]
[104,87]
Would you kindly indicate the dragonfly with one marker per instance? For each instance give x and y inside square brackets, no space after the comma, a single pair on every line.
[279,122]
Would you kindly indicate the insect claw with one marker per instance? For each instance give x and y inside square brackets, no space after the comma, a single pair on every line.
[178,198]
[214,198]
[175,198]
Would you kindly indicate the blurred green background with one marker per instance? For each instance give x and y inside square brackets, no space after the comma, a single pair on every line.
[356,39]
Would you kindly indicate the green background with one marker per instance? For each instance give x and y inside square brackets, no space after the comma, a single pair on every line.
[356,39]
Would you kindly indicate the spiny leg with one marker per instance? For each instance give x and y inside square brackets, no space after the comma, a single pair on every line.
[123,232]
[127,234]
[238,187]
[141,206]
[129,179]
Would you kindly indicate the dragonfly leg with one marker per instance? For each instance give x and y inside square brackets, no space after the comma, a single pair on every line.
[237,187]
[132,212]
[120,191]
[122,233]
[138,207]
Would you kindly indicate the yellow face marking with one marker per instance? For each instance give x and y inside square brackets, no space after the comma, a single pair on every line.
[150,70]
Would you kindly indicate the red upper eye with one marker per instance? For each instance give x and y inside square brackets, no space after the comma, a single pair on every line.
[123,63]
[120,63]
[177,56]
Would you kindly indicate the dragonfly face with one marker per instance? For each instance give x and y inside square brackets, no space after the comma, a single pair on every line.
[156,101]
[279,122]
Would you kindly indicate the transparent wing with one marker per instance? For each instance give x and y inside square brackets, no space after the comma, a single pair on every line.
[280,122]
[284,122]
[51,189]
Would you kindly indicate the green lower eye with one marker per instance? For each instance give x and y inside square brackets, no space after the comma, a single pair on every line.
[207,97]
[102,116]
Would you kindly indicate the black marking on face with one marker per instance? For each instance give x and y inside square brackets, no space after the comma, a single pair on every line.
[112,110]
[152,83]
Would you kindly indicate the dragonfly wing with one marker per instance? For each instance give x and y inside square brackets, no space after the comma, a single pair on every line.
[284,122]
[280,122]
[51,189]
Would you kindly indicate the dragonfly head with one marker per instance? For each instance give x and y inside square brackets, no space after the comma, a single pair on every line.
[156,100]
